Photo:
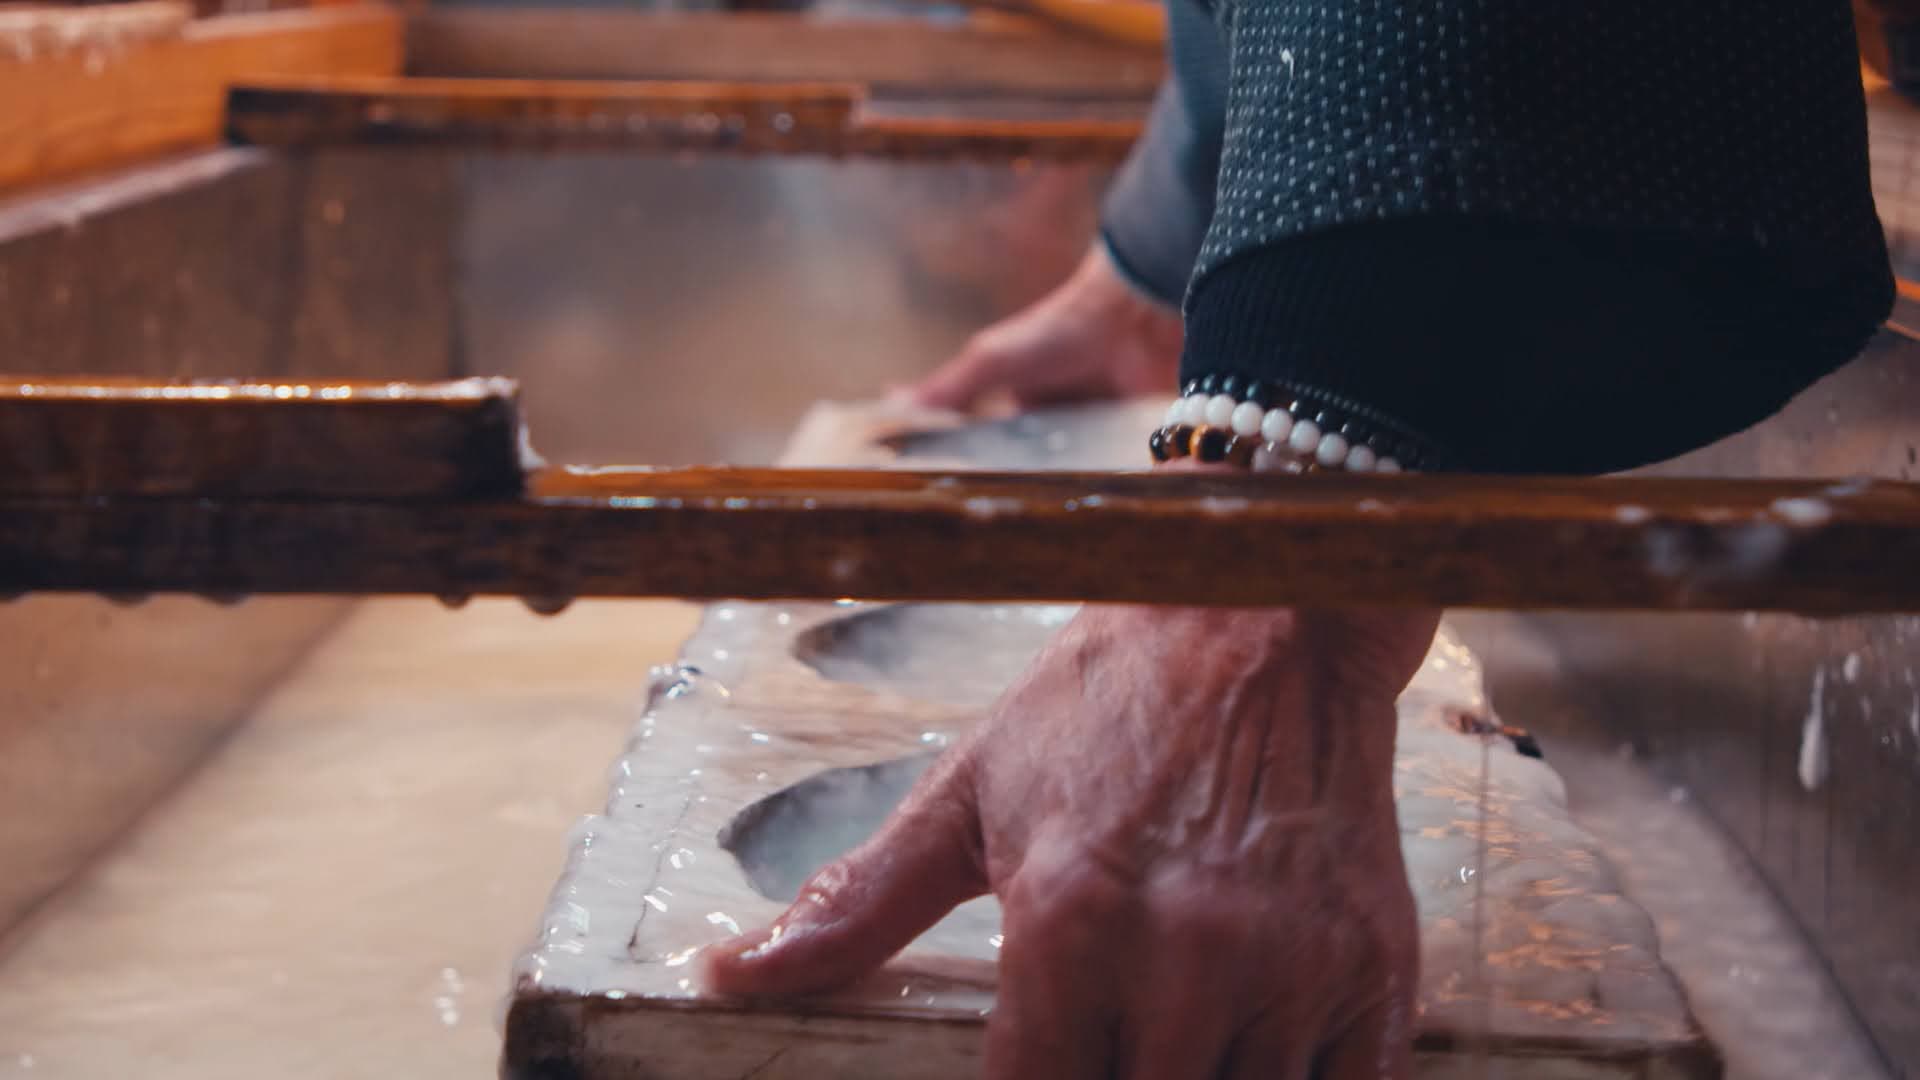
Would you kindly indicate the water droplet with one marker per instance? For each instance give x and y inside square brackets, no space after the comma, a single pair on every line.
[454,601]
[547,605]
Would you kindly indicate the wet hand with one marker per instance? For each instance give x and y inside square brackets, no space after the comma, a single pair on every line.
[1187,815]
[1092,338]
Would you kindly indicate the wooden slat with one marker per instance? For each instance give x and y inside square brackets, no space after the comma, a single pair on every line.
[1658,544]
[519,112]
[93,109]
[40,32]
[1131,21]
[893,56]
[806,118]
[1091,141]
[123,437]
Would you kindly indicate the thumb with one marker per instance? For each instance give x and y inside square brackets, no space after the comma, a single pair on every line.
[868,904]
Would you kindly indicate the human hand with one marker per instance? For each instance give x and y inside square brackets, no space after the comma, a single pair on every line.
[1094,337]
[1188,817]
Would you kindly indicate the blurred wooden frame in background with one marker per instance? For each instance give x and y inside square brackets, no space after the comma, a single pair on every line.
[85,89]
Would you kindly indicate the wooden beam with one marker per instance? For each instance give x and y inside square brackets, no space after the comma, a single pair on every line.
[920,137]
[357,440]
[39,32]
[894,57]
[520,112]
[92,109]
[1135,22]
[1656,544]
[806,118]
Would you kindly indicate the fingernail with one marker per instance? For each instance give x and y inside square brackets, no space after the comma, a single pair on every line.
[747,947]
[720,962]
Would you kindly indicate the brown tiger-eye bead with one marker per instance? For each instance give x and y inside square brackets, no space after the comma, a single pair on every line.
[1210,443]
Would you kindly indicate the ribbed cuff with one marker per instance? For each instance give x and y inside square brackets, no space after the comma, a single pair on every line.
[1526,348]
[1315,317]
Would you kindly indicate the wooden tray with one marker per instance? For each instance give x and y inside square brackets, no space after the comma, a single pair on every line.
[1566,981]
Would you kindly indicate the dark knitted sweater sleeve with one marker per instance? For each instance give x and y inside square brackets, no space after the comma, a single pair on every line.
[1576,236]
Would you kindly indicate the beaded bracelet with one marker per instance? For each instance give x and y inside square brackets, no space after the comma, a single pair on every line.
[1234,420]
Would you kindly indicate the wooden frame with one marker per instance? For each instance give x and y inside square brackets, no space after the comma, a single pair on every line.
[981,57]
[91,108]
[413,513]
[38,31]
[150,83]
[799,118]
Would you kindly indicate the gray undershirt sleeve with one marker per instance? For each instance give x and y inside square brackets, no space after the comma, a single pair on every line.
[1157,211]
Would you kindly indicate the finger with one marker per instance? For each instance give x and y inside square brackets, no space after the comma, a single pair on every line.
[1378,1045]
[961,382]
[1274,1048]
[987,364]
[1050,1017]
[1186,1041]
[867,905]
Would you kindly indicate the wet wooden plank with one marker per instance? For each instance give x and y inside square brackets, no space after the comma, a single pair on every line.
[605,991]
[595,1036]
[1104,142]
[92,109]
[333,266]
[40,31]
[507,112]
[1653,544]
[903,56]
[86,438]
[794,118]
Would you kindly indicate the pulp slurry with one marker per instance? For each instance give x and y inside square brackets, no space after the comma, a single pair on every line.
[339,891]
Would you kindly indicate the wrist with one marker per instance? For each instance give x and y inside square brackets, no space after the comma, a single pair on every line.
[1141,286]
[1242,421]
[1118,297]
